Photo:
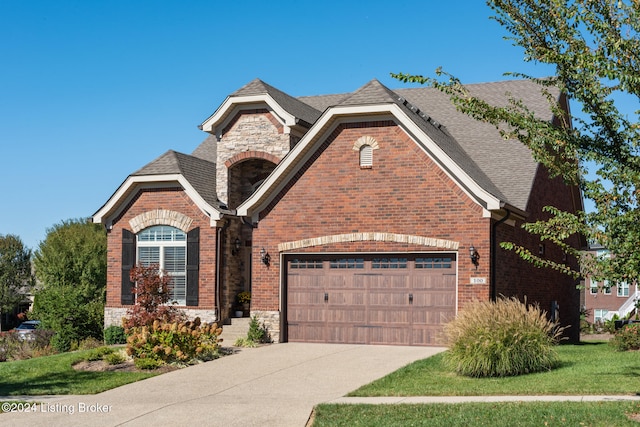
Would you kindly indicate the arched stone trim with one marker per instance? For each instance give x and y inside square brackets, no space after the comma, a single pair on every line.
[366,140]
[248,155]
[366,237]
[160,217]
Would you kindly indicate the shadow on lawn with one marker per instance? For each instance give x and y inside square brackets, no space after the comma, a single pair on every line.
[59,383]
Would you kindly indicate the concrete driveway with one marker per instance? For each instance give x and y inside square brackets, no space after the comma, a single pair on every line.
[275,385]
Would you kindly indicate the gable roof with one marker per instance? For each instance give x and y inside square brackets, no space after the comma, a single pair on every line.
[195,175]
[291,111]
[493,172]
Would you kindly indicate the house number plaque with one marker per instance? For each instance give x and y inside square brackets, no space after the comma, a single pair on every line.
[478,280]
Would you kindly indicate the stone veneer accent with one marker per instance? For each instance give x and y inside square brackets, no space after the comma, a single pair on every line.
[271,321]
[114,315]
[366,140]
[254,131]
[160,217]
[369,237]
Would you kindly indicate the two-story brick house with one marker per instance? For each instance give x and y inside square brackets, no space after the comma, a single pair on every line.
[364,217]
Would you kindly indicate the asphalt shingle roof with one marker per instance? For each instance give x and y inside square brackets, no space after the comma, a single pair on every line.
[292,105]
[505,169]
[200,173]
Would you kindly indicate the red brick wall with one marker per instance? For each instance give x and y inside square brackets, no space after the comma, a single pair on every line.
[169,199]
[516,277]
[404,193]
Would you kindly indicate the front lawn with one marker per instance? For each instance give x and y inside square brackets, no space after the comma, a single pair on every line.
[55,375]
[502,414]
[586,368]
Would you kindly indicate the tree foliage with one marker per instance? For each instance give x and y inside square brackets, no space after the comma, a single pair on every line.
[595,49]
[71,267]
[15,272]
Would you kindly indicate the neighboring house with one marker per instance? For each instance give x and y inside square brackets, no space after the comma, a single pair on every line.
[603,300]
[351,218]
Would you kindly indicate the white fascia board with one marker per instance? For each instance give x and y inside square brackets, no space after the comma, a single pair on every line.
[127,191]
[232,105]
[300,154]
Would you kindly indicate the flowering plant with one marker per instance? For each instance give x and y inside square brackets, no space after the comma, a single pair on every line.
[244,297]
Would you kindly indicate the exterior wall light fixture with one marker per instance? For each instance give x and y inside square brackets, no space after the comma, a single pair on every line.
[265,257]
[474,255]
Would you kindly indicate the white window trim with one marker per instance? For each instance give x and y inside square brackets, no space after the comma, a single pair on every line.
[162,244]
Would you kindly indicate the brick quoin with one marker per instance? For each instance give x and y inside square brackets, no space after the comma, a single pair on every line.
[174,199]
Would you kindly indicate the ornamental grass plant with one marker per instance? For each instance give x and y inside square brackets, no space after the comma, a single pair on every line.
[501,338]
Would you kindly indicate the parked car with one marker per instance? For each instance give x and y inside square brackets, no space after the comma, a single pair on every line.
[26,329]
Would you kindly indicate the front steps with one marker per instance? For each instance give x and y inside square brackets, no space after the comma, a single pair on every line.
[237,329]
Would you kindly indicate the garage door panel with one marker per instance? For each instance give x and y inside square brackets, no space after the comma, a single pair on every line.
[345,315]
[386,317]
[352,334]
[347,300]
[386,335]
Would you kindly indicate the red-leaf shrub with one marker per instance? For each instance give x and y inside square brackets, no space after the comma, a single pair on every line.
[152,295]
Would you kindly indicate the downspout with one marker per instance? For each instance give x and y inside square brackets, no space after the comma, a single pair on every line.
[218,295]
[494,255]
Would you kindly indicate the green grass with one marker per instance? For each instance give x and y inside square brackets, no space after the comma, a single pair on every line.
[55,375]
[479,414]
[587,368]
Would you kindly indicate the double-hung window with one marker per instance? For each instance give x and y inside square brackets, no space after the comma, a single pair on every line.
[623,289]
[166,246]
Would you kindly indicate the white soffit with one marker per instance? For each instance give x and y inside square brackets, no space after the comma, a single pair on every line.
[232,105]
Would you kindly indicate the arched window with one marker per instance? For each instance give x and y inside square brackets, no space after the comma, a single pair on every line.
[366,156]
[166,246]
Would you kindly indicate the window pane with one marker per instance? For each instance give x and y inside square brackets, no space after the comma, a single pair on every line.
[162,233]
[433,262]
[179,289]
[347,263]
[389,263]
[305,264]
[148,255]
[175,259]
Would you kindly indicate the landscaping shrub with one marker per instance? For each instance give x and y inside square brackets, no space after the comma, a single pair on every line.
[62,342]
[114,335]
[175,342]
[12,347]
[114,358]
[152,295]
[97,353]
[627,338]
[502,338]
[256,334]
[89,343]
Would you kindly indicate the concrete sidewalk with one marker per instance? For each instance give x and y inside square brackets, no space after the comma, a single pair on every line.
[394,400]
[275,385]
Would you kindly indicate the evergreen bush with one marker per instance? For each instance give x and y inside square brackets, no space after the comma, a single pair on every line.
[114,334]
[502,338]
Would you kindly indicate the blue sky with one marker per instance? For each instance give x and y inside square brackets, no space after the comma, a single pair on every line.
[90,91]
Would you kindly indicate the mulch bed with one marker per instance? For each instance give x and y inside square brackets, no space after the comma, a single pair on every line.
[102,366]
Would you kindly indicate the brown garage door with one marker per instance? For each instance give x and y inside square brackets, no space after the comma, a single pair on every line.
[374,299]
